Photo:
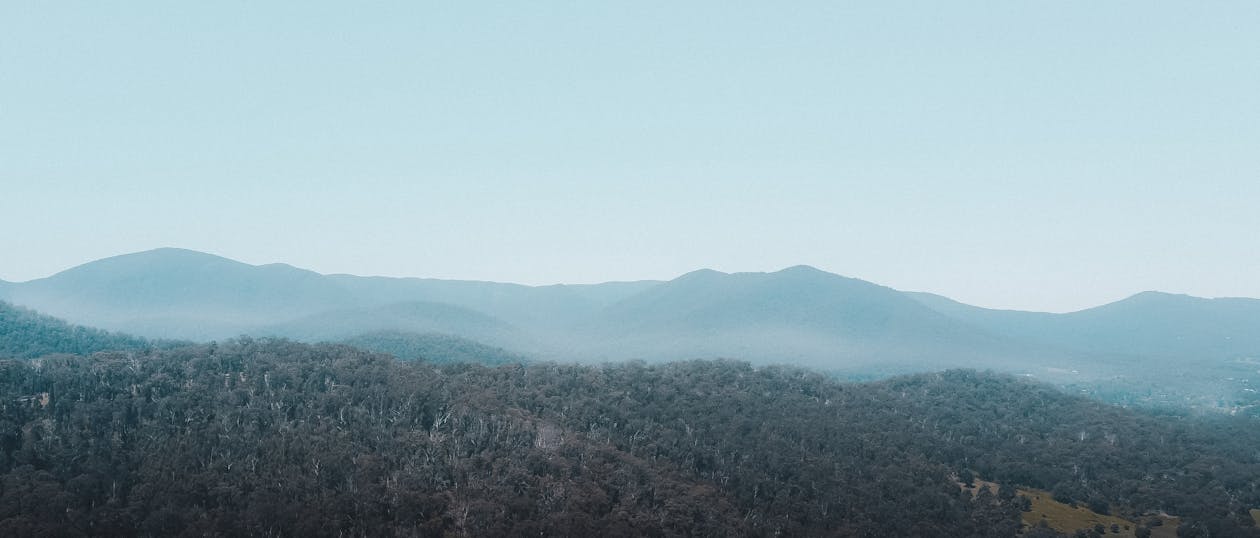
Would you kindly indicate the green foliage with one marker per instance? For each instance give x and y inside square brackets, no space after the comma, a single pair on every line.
[435,348]
[280,438]
[1205,469]
[26,334]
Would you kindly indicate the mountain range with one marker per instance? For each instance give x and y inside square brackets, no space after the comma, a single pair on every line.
[800,315]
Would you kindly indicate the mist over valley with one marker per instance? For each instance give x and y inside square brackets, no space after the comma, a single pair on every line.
[608,269]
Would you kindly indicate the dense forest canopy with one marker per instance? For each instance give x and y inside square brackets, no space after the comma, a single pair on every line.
[280,438]
[434,348]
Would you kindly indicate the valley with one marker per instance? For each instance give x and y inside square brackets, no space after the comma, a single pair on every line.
[1152,350]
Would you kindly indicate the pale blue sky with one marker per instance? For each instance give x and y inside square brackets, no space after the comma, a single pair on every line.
[1039,155]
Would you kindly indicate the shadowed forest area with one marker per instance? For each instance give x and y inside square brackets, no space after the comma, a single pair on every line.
[273,437]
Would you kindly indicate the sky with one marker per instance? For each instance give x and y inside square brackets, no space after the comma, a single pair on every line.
[1030,154]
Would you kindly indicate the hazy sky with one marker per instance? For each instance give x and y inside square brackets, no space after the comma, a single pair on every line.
[1038,155]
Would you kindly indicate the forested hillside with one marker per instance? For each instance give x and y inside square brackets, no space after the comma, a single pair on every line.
[285,439]
[436,348]
[415,317]
[26,334]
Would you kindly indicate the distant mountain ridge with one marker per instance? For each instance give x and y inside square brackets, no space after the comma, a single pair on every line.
[1148,323]
[800,315]
[180,293]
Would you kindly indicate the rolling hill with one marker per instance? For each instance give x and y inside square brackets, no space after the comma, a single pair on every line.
[1146,324]
[26,334]
[798,315]
[177,293]
[434,347]
[413,317]
[266,436]
[543,308]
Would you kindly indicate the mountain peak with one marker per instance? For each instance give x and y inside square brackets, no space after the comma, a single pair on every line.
[171,262]
[802,269]
[164,258]
[1163,300]
[1149,294]
[807,273]
[172,250]
[1158,297]
[795,270]
[700,274]
[169,253]
[194,294]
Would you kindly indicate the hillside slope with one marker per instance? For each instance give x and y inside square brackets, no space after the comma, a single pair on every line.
[411,317]
[1150,324]
[799,314]
[180,293]
[177,293]
[1129,349]
[26,334]
[434,347]
[258,435]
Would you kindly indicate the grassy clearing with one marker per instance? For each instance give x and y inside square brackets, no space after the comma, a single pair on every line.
[1067,519]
